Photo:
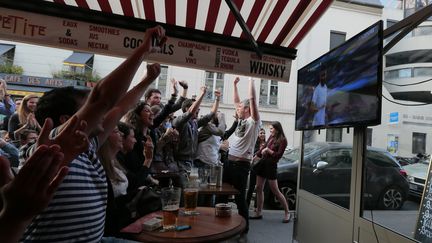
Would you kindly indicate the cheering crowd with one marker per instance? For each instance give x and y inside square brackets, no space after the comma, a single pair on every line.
[73,162]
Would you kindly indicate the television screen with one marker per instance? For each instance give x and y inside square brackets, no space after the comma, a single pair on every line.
[342,88]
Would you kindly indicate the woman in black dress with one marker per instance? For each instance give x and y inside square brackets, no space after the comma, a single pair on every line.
[267,169]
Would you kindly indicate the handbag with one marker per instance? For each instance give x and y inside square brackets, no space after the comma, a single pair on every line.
[257,163]
[146,200]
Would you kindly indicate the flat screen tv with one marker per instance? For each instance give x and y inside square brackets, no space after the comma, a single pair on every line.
[342,88]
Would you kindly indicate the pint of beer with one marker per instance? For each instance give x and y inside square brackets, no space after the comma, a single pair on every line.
[170,197]
[190,200]
[170,214]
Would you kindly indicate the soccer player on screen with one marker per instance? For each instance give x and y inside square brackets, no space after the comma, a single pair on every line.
[319,100]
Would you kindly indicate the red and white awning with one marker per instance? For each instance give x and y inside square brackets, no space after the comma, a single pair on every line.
[277,22]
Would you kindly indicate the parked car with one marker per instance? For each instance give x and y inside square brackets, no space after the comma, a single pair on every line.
[405,160]
[327,172]
[416,174]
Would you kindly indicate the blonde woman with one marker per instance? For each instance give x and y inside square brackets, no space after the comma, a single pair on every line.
[7,106]
[24,118]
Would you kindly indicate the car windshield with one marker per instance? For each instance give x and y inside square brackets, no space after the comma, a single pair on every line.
[424,161]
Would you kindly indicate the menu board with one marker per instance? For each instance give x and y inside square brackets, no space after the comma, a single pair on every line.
[423,229]
[65,33]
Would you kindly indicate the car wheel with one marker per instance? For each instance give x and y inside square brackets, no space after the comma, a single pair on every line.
[289,191]
[392,198]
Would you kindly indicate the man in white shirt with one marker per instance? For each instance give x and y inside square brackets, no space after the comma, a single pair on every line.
[241,147]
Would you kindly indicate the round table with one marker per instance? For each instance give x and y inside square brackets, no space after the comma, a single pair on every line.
[205,228]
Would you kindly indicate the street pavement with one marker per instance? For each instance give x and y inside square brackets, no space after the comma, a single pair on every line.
[270,229]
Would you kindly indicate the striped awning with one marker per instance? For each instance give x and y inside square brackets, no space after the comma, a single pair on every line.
[281,23]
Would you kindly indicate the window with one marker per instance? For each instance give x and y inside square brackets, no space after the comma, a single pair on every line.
[268,92]
[336,38]
[395,4]
[412,6]
[399,73]
[408,57]
[78,66]
[369,137]
[337,158]
[7,53]
[422,30]
[161,82]
[334,135]
[418,143]
[213,81]
[422,71]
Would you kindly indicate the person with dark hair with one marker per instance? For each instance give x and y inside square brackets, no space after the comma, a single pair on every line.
[266,169]
[67,100]
[84,190]
[27,136]
[187,125]
[260,143]
[153,97]
[241,147]
[209,141]
[140,176]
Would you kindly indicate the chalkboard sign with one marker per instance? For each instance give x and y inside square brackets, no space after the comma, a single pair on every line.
[423,230]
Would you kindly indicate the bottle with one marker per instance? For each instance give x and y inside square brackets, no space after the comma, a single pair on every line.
[219,169]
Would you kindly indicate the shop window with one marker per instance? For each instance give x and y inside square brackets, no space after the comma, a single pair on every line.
[334,135]
[268,92]
[161,82]
[418,143]
[213,81]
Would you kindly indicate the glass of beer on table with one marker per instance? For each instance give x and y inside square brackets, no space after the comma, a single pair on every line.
[190,196]
[170,197]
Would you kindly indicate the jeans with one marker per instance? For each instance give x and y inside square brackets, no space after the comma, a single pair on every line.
[250,191]
[236,174]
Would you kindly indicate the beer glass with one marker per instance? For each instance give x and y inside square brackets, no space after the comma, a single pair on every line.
[214,173]
[190,196]
[170,197]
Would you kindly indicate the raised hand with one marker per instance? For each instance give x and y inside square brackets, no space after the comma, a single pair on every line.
[148,148]
[183,84]
[72,138]
[217,93]
[203,89]
[156,32]
[153,71]
[174,85]
[236,80]
[32,189]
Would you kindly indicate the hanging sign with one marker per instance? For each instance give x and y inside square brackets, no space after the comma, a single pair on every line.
[57,32]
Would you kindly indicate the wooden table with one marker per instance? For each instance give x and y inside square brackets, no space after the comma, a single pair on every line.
[225,189]
[205,228]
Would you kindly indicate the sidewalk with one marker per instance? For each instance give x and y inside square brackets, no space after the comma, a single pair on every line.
[270,229]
